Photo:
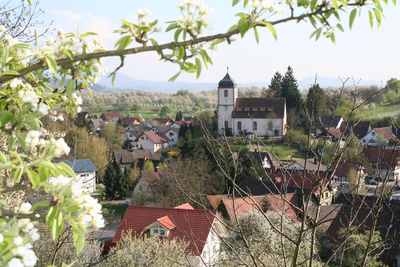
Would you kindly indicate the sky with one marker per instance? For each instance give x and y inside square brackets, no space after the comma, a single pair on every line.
[361,53]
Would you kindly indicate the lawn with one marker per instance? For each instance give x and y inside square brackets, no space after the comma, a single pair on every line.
[381,111]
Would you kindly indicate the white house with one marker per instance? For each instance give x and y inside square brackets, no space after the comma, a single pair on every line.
[264,116]
[85,172]
[385,163]
[379,136]
[152,141]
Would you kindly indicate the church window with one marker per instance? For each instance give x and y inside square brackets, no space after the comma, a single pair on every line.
[239,125]
[226,93]
[255,126]
[270,126]
[226,124]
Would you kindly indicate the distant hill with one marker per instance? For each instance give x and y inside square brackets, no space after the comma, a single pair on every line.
[125,82]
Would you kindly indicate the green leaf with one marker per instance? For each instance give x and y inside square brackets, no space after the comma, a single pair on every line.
[153,42]
[335,4]
[18,173]
[271,28]
[244,26]
[21,139]
[234,2]
[313,4]
[352,17]
[51,63]
[371,18]
[50,215]
[66,168]
[22,46]
[58,225]
[40,204]
[378,16]
[344,3]
[5,116]
[256,35]
[70,88]
[176,35]
[318,34]
[10,72]
[123,42]
[3,157]
[33,123]
[68,53]
[303,3]
[173,78]
[34,178]
[181,52]
[340,27]
[313,22]
[145,28]
[79,239]
[88,33]
[198,65]
[332,36]
[171,27]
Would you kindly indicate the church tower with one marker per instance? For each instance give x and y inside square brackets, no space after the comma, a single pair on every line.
[227,94]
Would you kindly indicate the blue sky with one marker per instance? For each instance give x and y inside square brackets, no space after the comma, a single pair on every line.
[365,53]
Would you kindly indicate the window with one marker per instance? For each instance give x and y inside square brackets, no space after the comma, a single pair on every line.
[159,230]
[239,125]
[364,140]
[255,126]
[226,93]
[226,124]
[270,126]
[373,133]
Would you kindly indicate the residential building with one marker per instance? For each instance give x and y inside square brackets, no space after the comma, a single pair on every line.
[85,172]
[342,171]
[261,116]
[311,165]
[385,163]
[200,228]
[328,122]
[152,141]
[108,116]
[380,137]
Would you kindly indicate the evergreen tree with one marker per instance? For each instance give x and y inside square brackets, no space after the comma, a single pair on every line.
[148,166]
[126,184]
[182,131]
[117,179]
[315,103]
[111,180]
[187,145]
[178,116]
[276,84]
[291,91]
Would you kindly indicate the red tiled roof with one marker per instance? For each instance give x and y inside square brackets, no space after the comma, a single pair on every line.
[110,115]
[130,120]
[192,226]
[185,206]
[166,222]
[387,134]
[240,206]
[154,137]
[382,157]
[343,168]
[164,121]
[297,179]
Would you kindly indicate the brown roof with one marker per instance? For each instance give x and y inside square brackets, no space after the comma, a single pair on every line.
[164,121]
[260,156]
[387,134]
[327,121]
[110,115]
[124,156]
[313,165]
[263,107]
[343,168]
[185,206]
[359,128]
[130,120]
[382,157]
[95,123]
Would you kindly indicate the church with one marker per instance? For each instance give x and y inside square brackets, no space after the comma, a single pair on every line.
[262,116]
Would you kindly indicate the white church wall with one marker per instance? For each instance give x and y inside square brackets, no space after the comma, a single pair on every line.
[263,126]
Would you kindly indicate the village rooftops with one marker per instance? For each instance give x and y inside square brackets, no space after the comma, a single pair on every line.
[80,165]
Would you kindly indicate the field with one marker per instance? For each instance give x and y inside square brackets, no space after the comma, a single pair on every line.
[381,111]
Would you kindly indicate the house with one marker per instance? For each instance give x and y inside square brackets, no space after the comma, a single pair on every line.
[85,172]
[130,121]
[261,116]
[266,160]
[327,121]
[95,124]
[380,137]
[108,116]
[358,128]
[232,208]
[342,171]
[384,162]
[200,228]
[152,141]
[311,165]
[158,122]
[125,158]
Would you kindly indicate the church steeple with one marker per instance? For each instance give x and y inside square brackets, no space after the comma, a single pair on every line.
[227,81]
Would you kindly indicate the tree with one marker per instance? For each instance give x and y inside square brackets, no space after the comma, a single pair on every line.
[127,184]
[290,90]
[112,180]
[276,84]
[81,121]
[164,111]
[178,116]
[315,103]
[148,166]
[38,80]
[115,136]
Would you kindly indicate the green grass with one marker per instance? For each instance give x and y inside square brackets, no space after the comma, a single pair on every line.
[381,111]
[115,209]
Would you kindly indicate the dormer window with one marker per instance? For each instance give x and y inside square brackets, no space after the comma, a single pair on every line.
[160,231]
[226,93]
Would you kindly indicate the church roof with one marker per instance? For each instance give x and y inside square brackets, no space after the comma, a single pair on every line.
[226,82]
[262,107]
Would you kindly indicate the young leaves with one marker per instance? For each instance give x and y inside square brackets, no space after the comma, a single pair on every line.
[352,17]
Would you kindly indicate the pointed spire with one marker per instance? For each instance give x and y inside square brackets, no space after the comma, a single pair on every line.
[227,81]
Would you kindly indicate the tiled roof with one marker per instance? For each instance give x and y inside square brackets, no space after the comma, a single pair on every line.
[81,165]
[313,165]
[240,206]
[260,156]
[154,138]
[330,121]
[166,222]
[387,134]
[164,121]
[299,179]
[359,128]
[382,157]
[192,226]
[124,156]
[110,115]
[96,123]
[262,107]
[185,206]
[343,168]
[130,120]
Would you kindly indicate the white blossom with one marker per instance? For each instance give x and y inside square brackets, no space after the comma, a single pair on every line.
[1,238]
[15,262]
[76,189]
[29,97]
[60,181]
[143,12]
[61,148]
[10,41]
[25,208]
[34,234]
[77,99]
[49,41]
[32,138]
[29,258]
[18,241]
[15,83]
[43,108]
